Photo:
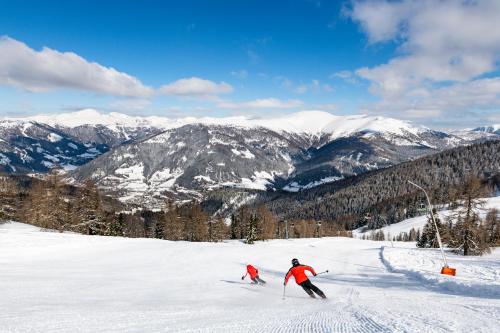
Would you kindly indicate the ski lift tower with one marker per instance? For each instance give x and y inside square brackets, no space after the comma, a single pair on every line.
[445,269]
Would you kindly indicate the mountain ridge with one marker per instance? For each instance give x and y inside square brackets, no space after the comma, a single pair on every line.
[186,157]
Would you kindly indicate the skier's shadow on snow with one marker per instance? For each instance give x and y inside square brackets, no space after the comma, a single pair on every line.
[233,282]
[371,279]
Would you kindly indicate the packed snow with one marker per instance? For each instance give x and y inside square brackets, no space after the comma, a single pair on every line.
[55,282]
[479,276]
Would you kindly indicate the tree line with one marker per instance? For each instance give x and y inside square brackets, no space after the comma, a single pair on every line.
[386,194]
[468,230]
[52,203]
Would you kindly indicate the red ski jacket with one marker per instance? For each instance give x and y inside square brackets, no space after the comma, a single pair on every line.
[299,273]
[252,271]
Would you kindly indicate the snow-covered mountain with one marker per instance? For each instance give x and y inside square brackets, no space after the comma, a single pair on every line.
[150,156]
[27,146]
[313,123]
[478,134]
[493,129]
[197,157]
[291,152]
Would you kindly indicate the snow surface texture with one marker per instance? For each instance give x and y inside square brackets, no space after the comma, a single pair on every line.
[53,282]
[419,222]
[478,276]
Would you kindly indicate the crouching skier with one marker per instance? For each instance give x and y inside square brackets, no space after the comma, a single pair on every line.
[298,272]
[254,275]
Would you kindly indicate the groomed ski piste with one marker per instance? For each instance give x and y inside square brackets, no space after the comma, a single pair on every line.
[63,282]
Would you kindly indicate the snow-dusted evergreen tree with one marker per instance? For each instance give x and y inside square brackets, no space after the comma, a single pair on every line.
[116,224]
[252,230]
[468,235]
[90,212]
[492,227]
[428,237]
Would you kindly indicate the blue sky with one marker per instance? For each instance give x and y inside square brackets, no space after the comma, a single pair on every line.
[215,58]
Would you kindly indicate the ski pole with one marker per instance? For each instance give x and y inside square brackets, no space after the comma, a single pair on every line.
[284,288]
[324,272]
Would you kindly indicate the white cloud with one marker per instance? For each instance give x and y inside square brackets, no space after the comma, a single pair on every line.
[195,86]
[326,87]
[461,97]
[300,89]
[345,74]
[240,74]
[283,81]
[263,103]
[381,20]
[444,49]
[48,69]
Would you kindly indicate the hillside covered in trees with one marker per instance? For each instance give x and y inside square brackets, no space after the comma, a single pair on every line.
[385,196]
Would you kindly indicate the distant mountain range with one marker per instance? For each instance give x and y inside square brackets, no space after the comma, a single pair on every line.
[142,159]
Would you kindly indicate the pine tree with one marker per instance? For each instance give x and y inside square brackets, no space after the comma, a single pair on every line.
[492,227]
[428,237]
[267,223]
[218,230]
[116,224]
[252,230]
[89,210]
[195,223]
[467,233]
[173,223]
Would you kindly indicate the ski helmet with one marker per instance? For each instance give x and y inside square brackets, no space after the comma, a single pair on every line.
[295,262]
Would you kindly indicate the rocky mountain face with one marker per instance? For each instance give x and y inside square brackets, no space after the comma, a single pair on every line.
[30,147]
[196,158]
[42,143]
[142,160]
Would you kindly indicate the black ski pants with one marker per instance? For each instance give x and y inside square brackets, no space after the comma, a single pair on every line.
[309,288]
[258,280]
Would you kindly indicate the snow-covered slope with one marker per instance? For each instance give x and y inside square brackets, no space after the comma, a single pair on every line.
[475,275]
[53,282]
[418,222]
[482,133]
[495,129]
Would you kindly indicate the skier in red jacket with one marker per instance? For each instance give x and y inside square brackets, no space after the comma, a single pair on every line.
[299,273]
[254,275]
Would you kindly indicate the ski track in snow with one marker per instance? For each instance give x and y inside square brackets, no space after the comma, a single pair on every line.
[52,282]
